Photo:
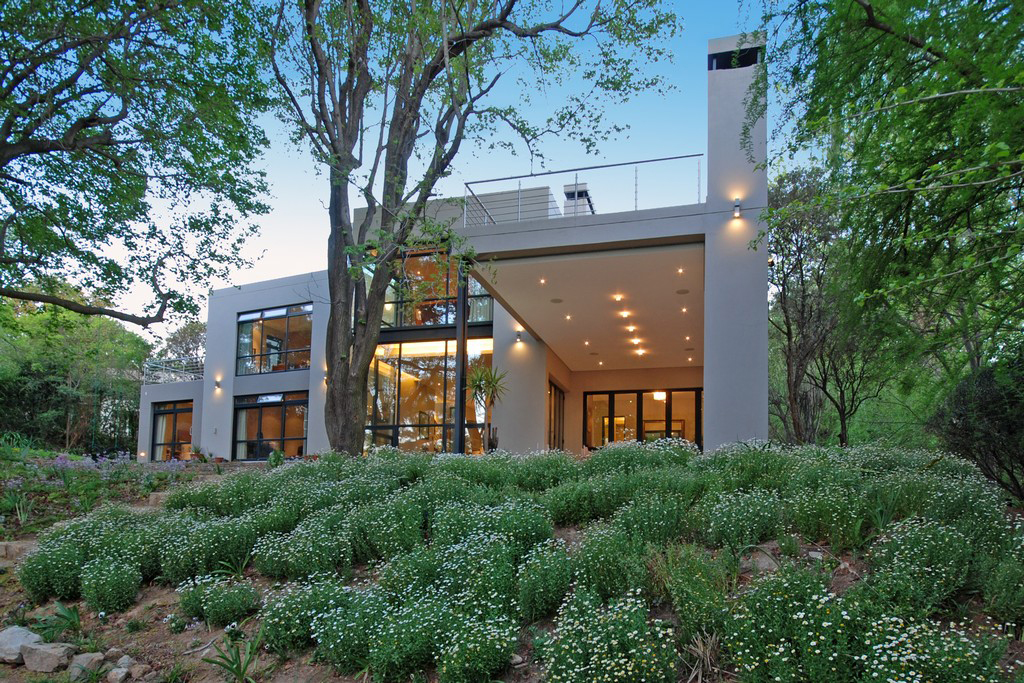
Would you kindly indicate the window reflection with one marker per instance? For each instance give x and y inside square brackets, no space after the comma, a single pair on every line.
[273,340]
[423,293]
[172,430]
[270,422]
[641,416]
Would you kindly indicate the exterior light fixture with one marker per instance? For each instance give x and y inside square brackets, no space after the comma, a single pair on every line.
[617,297]
[216,384]
[660,395]
[519,337]
[736,208]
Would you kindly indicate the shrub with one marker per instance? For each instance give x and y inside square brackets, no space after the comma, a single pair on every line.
[191,594]
[229,602]
[541,471]
[110,585]
[200,547]
[543,579]
[343,634]
[578,502]
[740,519]
[288,616]
[980,420]
[609,563]
[54,570]
[405,638]
[917,565]
[653,518]
[898,650]
[524,523]
[697,586]
[313,547]
[614,643]
[788,627]
[386,529]
[479,571]
[1003,590]
[829,513]
[410,574]
[475,649]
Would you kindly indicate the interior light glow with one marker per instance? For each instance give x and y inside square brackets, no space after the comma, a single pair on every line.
[660,395]
[684,309]
[568,317]
[586,343]
[617,297]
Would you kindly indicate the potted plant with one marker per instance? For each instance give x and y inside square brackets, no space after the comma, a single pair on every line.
[487,386]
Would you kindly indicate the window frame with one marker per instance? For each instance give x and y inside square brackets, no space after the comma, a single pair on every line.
[160,409]
[260,315]
[698,427]
[240,403]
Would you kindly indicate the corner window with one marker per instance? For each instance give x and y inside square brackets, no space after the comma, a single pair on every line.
[266,423]
[423,293]
[274,339]
[172,431]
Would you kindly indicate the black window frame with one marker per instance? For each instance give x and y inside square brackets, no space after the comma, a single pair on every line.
[159,409]
[284,353]
[241,403]
[698,427]
[556,417]
[481,304]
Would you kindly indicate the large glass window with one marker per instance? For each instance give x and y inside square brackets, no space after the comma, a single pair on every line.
[172,430]
[270,422]
[274,339]
[641,416]
[556,417]
[423,292]
[412,394]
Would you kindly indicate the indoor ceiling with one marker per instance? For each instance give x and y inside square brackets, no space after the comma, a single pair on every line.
[582,305]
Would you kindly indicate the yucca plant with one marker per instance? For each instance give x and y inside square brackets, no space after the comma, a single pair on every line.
[487,386]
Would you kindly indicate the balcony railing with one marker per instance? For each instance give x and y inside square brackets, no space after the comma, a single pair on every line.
[169,370]
[605,188]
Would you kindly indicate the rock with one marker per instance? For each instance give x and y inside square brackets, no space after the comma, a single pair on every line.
[125,662]
[138,671]
[47,657]
[117,675]
[11,640]
[815,555]
[517,661]
[152,676]
[758,562]
[113,654]
[84,663]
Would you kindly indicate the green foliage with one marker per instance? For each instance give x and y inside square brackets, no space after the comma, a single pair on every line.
[579,502]
[65,620]
[287,617]
[404,640]
[608,563]
[980,419]
[829,513]
[654,518]
[697,586]
[218,602]
[275,459]
[476,649]
[523,522]
[737,520]
[386,529]
[1003,590]
[614,643]
[52,571]
[237,658]
[543,579]
[110,585]
[343,634]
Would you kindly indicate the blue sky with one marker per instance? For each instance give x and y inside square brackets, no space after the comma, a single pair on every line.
[293,236]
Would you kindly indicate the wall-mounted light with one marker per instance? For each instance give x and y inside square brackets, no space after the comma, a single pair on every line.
[325,377]
[216,384]
[736,208]
[519,337]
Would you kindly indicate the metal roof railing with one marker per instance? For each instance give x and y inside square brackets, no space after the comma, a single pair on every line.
[169,370]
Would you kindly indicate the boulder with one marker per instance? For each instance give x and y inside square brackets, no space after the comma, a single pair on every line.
[11,640]
[81,665]
[47,657]
[138,671]
[113,654]
[125,662]
[117,675]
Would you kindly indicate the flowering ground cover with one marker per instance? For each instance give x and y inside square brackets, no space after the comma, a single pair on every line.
[647,562]
[38,488]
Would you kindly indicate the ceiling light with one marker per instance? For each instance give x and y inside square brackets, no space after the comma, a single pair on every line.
[600,362]
[684,309]
[687,339]
[635,340]
[660,395]
[617,297]
[543,281]
[690,359]
[624,314]
[680,271]
[568,317]
[631,328]
[640,352]
[586,343]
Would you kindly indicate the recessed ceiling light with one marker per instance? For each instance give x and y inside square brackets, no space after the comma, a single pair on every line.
[687,339]
[680,271]
[569,317]
[640,352]
[586,343]
[690,359]
[624,314]
[684,309]
[543,281]
[617,297]
[600,362]
[631,328]
[635,340]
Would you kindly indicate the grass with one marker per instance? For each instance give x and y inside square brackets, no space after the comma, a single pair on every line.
[628,566]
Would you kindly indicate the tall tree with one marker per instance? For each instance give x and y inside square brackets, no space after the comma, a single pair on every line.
[373,86]
[127,147]
[918,111]
[188,340]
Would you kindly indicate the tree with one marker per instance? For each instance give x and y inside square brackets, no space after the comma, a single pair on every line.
[187,341]
[70,381]
[127,147]
[373,87]
[917,109]
[486,386]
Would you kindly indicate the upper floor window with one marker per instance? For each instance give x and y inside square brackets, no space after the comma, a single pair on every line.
[274,339]
[424,293]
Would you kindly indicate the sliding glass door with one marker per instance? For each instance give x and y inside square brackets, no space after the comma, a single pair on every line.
[644,415]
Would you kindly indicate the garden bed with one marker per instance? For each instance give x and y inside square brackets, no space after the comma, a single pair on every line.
[643,562]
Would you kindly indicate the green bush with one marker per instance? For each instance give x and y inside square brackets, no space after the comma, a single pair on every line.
[110,585]
[542,471]
[383,530]
[579,502]
[410,574]
[288,617]
[313,547]
[403,641]
[343,634]
[609,563]
[740,519]
[476,649]
[543,579]
[829,513]
[697,586]
[614,643]
[192,593]
[654,518]
[54,570]
[523,522]
[218,602]
[479,571]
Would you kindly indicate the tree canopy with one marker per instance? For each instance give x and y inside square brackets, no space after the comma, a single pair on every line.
[127,148]
[376,87]
[917,111]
